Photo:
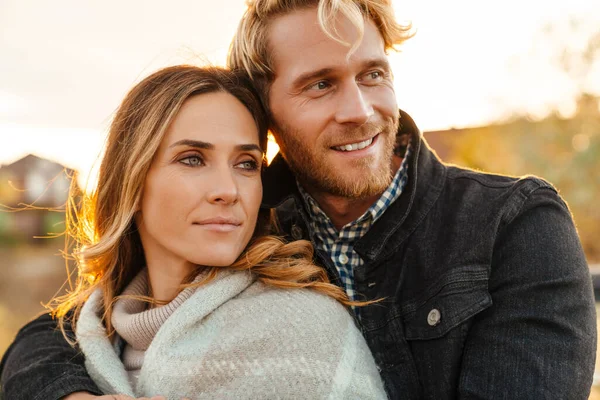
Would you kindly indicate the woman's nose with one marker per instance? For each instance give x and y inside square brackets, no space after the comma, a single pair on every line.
[224,188]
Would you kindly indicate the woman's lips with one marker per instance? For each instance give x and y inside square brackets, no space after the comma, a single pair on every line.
[219,227]
[219,224]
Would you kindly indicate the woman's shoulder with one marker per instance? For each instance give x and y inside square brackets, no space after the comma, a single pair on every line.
[260,291]
[292,304]
[289,341]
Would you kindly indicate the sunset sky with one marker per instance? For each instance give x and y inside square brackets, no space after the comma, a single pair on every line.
[66,64]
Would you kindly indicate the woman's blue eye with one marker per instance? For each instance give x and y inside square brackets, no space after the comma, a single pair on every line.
[249,165]
[192,161]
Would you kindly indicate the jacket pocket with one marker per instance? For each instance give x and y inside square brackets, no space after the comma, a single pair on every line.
[394,359]
[438,328]
[454,303]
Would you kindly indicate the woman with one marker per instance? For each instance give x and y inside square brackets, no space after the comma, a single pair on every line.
[181,292]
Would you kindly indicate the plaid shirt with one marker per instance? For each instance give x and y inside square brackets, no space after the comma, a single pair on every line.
[340,244]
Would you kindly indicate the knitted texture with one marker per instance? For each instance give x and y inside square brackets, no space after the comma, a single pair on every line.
[238,338]
[137,325]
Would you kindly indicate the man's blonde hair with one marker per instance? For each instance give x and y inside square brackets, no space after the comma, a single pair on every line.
[250,51]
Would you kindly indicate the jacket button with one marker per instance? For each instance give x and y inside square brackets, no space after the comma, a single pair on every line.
[296,232]
[434,317]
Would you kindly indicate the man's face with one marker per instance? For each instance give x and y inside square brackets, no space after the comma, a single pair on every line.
[335,118]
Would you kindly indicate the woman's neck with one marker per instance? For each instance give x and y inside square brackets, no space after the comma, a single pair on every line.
[165,279]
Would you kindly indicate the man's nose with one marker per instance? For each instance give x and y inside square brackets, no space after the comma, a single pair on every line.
[223,187]
[353,106]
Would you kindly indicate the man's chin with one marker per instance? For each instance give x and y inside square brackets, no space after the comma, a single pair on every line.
[354,183]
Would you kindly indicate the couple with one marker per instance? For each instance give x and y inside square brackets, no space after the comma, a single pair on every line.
[463,284]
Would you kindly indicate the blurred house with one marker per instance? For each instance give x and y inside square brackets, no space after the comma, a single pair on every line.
[33,191]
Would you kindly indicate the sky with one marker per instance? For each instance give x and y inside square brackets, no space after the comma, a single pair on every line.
[66,64]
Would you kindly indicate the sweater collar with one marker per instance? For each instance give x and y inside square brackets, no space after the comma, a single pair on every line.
[133,321]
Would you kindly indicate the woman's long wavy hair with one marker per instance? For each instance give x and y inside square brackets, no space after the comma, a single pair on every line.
[106,247]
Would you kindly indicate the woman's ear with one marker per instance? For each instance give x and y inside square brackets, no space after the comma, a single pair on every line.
[137,205]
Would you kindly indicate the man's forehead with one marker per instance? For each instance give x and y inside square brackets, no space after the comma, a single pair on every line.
[298,43]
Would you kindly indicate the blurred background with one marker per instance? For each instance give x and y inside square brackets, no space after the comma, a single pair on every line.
[509,87]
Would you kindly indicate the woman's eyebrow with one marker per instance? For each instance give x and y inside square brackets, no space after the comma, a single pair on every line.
[193,143]
[248,147]
[209,146]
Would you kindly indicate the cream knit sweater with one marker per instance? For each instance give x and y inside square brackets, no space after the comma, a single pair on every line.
[236,338]
[136,325]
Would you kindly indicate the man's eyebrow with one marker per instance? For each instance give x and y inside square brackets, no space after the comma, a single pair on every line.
[310,76]
[379,63]
[198,144]
[307,77]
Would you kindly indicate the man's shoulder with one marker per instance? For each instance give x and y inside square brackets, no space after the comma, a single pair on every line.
[452,193]
[492,181]
[490,191]
[471,198]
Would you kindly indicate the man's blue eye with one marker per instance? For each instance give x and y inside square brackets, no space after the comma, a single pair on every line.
[322,85]
[374,75]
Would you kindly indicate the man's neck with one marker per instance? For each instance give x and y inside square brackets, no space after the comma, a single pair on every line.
[343,210]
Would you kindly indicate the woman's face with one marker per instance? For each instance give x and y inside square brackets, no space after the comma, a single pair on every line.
[203,191]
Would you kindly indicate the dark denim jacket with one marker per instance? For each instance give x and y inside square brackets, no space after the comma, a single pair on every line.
[486,290]
[486,287]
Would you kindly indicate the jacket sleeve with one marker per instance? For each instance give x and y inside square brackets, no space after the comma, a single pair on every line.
[41,365]
[538,339]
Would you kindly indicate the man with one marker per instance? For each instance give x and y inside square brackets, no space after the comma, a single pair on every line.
[485,286]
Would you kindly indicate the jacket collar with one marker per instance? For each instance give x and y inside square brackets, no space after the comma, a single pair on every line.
[426,179]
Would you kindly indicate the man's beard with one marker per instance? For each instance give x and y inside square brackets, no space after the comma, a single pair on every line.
[320,176]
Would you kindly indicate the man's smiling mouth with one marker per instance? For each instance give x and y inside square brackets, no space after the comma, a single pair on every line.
[355,146]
